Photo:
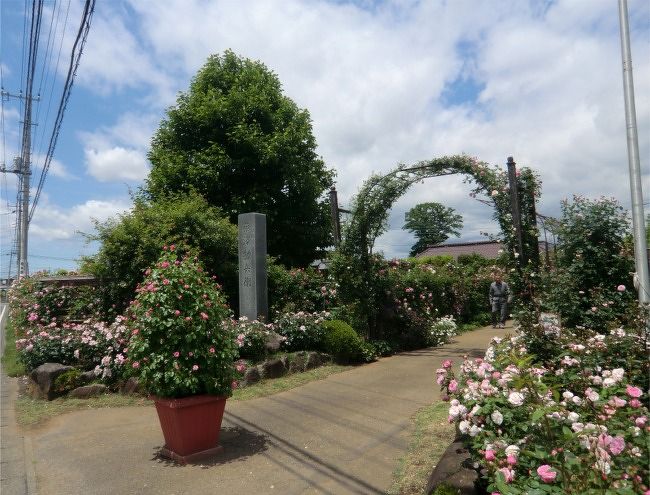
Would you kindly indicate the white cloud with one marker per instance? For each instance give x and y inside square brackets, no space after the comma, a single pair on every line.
[54,223]
[116,164]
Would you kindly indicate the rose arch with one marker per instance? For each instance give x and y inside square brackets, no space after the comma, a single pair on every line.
[354,260]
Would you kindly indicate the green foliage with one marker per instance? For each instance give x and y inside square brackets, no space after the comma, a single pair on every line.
[239,142]
[432,223]
[131,243]
[342,342]
[179,344]
[10,361]
[298,289]
[592,263]
[446,489]
[67,381]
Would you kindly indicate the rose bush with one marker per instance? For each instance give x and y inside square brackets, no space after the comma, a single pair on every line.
[576,424]
[302,331]
[88,345]
[181,341]
[251,337]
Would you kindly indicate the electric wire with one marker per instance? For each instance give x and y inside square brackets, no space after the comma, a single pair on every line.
[56,71]
[48,63]
[75,58]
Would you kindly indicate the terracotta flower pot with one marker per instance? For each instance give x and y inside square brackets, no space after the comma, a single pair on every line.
[191,426]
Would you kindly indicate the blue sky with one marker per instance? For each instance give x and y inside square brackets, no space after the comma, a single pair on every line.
[385,82]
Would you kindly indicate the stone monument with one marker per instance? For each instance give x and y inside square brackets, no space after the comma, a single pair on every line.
[253,293]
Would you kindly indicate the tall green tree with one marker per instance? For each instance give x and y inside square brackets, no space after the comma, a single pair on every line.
[237,140]
[432,223]
[132,242]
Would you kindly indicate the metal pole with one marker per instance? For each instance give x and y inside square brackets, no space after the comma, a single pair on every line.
[638,221]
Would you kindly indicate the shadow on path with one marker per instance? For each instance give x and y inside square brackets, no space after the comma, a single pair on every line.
[238,444]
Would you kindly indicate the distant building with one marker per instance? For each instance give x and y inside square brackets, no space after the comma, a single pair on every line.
[487,249]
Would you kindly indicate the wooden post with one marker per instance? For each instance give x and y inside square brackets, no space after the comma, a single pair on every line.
[336,221]
[514,208]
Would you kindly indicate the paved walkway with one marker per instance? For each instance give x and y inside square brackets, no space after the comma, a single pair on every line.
[16,477]
[340,435]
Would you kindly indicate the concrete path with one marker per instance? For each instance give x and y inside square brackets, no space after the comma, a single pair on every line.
[16,477]
[340,435]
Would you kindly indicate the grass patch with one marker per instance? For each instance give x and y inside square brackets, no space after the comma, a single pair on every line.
[34,412]
[10,362]
[431,437]
[287,382]
[31,413]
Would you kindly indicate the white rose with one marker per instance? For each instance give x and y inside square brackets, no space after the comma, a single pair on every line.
[512,450]
[516,398]
[573,417]
[609,382]
[576,400]
[474,430]
[567,395]
[577,427]
[463,426]
[497,417]
[617,374]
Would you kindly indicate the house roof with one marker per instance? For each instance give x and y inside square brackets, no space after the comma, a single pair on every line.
[488,249]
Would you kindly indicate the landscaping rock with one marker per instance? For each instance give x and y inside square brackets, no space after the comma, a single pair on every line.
[252,375]
[273,341]
[43,379]
[274,368]
[298,362]
[316,359]
[87,377]
[131,386]
[88,391]
[454,470]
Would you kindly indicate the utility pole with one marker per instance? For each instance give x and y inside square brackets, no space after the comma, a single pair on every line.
[22,169]
[638,221]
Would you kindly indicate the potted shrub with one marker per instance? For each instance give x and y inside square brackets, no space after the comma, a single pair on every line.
[183,354]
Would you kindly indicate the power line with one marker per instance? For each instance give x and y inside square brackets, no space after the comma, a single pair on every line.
[75,58]
[56,71]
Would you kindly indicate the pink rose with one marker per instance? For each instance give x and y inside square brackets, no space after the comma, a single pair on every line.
[617,445]
[490,455]
[621,288]
[136,364]
[635,403]
[508,474]
[546,473]
[440,379]
[640,421]
[234,384]
[177,312]
[204,316]
[447,363]
[633,391]
[453,386]
[212,350]
[176,354]
[511,460]
[195,367]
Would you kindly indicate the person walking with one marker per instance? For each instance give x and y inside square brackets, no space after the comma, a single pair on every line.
[499,299]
